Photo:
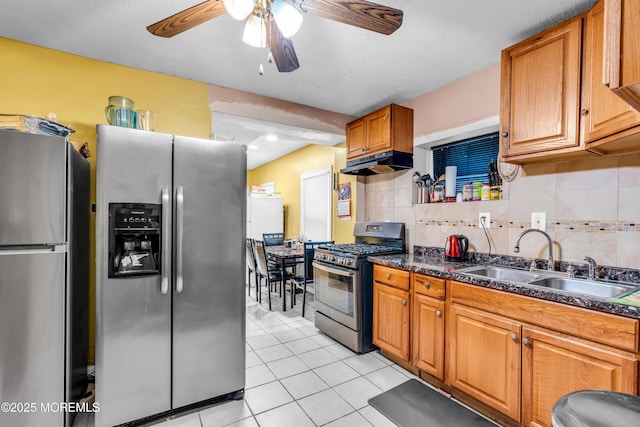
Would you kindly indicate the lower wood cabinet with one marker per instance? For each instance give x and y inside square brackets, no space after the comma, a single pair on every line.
[391,312]
[484,358]
[427,327]
[428,335]
[515,354]
[555,364]
[522,369]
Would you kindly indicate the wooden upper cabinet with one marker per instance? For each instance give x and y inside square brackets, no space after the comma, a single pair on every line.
[389,128]
[622,49]
[378,125]
[603,112]
[555,364]
[540,94]
[355,137]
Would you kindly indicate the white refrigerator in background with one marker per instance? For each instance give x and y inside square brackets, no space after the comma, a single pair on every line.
[264,215]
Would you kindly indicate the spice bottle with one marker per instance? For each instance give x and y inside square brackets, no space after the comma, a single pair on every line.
[467,192]
[477,191]
[485,192]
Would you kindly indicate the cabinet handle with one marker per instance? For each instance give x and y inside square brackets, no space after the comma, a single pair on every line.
[505,134]
[388,276]
[438,313]
[584,112]
[404,302]
[514,337]
[427,285]
[526,342]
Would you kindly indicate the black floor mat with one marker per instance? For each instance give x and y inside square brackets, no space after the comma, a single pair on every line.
[413,404]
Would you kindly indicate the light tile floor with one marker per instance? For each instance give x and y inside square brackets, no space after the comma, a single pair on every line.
[297,376]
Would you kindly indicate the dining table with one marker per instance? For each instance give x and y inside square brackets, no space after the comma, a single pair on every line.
[280,254]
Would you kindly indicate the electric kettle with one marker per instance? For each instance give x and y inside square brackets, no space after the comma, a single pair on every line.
[455,248]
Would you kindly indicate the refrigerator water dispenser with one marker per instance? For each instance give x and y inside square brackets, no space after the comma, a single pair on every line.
[134,239]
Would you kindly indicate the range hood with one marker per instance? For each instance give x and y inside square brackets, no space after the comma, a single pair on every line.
[389,161]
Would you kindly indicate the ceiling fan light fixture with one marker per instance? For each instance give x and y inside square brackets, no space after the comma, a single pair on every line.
[255,32]
[288,19]
[239,9]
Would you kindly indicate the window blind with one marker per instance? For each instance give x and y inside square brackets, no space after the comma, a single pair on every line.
[472,157]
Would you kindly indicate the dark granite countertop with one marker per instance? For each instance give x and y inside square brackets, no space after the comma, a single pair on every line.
[433,264]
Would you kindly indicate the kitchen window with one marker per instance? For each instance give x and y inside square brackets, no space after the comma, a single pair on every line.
[472,157]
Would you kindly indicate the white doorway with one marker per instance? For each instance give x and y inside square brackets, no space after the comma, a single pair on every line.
[315,204]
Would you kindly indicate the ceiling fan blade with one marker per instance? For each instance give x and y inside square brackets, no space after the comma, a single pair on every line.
[359,13]
[282,49]
[187,19]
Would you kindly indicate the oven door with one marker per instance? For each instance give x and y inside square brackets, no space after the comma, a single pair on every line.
[337,293]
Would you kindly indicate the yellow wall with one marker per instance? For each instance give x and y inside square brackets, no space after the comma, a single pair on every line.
[35,81]
[286,171]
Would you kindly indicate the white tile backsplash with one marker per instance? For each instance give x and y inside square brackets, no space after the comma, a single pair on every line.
[592,207]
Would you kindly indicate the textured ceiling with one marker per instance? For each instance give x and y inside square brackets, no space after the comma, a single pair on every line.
[342,68]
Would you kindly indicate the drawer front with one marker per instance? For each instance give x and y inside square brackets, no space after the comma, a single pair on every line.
[391,276]
[430,286]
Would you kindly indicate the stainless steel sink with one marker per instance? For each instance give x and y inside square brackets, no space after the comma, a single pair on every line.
[588,287]
[501,273]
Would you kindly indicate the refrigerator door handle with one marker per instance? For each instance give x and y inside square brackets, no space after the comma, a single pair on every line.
[33,249]
[179,236]
[166,242]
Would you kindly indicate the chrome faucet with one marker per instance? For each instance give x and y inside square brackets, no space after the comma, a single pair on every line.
[516,249]
[592,267]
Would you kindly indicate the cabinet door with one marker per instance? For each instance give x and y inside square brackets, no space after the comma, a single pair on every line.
[484,358]
[603,113]
[622,49]
[540,92]
[378,134]
[356,139]
[391,320]
[554,365]
[428,335]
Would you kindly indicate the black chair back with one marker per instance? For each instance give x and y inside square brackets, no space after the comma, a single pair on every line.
[273,239]
[309,251]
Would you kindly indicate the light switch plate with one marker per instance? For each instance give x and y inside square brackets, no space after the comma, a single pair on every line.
[487,219]
[539,221]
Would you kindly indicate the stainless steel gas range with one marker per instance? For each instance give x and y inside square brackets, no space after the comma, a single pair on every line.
[344,282]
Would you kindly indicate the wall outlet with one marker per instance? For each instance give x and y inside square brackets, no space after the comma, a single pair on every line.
[486,217]
[539,221]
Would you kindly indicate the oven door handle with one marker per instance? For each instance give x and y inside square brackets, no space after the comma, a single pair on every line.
[341,272]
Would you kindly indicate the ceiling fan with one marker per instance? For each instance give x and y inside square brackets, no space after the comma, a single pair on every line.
[272,23]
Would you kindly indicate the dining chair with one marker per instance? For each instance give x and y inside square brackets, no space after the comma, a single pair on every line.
[251,267]
[273,239]
[300,282]
[263,270]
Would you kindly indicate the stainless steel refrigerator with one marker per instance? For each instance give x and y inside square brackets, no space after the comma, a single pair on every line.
[44,278]
[170,248]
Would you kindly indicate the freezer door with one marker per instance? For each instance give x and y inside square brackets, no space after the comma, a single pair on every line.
[32,336]
[133,315]
[32,194]
[208,306]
